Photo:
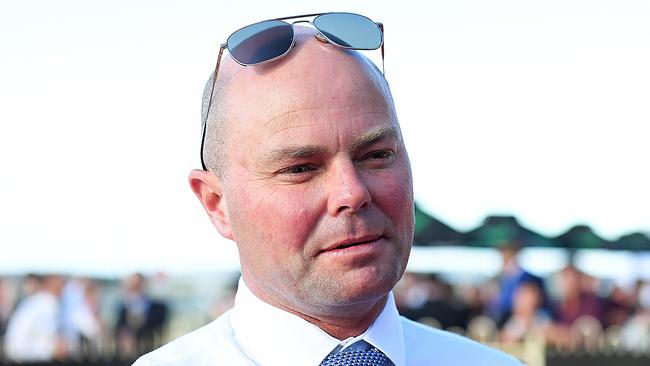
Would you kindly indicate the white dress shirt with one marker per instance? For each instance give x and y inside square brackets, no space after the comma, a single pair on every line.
[256,333]
[32,332]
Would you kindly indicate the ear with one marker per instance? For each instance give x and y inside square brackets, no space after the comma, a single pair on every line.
[209,190]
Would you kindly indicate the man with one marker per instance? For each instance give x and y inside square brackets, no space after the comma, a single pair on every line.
[513,276]
[308,175]
[140,319]
[34,329]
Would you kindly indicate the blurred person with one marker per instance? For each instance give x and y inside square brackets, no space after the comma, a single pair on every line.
[7,303]
[306,171]
[30,285]
[82,325]
[7,298]
[476,298]
[444,305]
[578,298]
[437,301]
[636,331]
[141,319]
[34,329]
[618,306]
[511,277]
[528,317]
[92,328]
[411,293]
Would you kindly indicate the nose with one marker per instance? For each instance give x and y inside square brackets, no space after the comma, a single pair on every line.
[347,190]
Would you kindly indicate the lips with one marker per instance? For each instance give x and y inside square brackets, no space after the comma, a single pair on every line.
[352,242]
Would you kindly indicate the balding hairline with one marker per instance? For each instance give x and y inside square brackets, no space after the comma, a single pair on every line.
[216,124]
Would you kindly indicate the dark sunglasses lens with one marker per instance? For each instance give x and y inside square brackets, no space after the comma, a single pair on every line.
[349,30]
[261,42]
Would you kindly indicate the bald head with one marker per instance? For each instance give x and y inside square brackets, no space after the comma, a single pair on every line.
[310,156]
[309,68]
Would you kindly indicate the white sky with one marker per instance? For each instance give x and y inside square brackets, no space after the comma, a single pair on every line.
[536,109]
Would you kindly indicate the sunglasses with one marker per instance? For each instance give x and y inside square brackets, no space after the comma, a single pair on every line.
[272,39]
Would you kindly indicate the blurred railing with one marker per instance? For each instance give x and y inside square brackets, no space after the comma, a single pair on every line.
[585,343]
[588,344]
[73,363]
[106,352]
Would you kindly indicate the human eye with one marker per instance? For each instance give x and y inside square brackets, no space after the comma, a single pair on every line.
[378,158]
[299,169]
[381,155]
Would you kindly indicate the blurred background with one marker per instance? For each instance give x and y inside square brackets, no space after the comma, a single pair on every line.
[526,124]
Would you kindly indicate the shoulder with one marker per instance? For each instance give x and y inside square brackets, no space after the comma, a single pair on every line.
[36,307]
[426,345]
[212,344]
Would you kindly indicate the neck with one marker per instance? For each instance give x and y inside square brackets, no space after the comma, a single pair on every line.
[341,326]
[341,322]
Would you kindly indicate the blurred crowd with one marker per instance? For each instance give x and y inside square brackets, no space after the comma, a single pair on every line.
[54,318]
[51,317]
[567,310]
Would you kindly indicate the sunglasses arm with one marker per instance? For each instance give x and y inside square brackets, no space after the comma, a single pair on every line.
[381,28]
[207,112]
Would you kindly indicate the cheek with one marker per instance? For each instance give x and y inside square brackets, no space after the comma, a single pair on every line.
[274,222]
[393,193]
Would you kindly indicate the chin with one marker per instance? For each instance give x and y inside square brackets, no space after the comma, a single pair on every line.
[365,283]
[368,288]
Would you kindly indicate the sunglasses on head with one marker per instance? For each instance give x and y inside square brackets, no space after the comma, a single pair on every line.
[272,39]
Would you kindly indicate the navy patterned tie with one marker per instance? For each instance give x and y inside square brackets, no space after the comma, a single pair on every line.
[370,356]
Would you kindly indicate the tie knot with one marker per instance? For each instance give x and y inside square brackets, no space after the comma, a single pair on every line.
[358,357]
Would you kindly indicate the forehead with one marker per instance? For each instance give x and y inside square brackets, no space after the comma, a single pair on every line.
[315,119]
[342,94]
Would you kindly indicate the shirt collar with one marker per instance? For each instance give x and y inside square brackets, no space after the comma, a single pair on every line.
[268,334]
[386,333]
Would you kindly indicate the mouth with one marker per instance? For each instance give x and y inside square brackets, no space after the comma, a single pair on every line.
[352,243]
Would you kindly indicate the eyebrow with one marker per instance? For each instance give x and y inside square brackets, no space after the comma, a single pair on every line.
[306,151]
[374,136]
[293,152]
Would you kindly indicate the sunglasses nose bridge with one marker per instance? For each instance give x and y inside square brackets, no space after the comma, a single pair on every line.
[301,21]
[317,33]
[320,37]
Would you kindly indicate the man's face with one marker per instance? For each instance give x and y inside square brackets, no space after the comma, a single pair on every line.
[318,189]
